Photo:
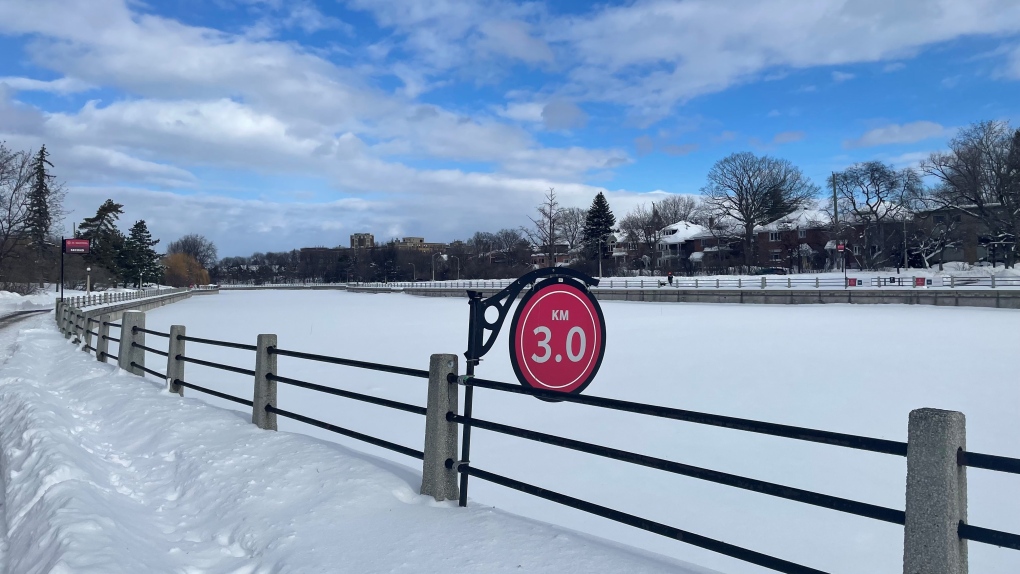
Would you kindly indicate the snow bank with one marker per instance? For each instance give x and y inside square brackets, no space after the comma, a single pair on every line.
[105,472]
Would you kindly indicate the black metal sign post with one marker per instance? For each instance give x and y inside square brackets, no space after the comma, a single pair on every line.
[79,246]
[482,335]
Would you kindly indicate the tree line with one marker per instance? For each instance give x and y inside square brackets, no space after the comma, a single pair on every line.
[902,216]
[32,215]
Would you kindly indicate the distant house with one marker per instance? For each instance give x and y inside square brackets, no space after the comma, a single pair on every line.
[419,244]
[561,255]
[676,244]
[796,241]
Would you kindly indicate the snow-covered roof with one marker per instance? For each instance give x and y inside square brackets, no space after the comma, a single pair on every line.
[680,232]
[800,219]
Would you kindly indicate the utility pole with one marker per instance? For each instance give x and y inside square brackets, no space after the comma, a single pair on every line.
[835,214]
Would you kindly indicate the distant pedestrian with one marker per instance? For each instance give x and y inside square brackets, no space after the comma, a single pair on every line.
[669,277]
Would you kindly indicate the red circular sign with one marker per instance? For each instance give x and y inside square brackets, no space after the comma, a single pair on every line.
[557,337]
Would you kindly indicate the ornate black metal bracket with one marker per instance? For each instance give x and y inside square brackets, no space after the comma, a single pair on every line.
[480,342]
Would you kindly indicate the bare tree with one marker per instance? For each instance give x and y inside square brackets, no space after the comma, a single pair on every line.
[197,246]
[546,232]
[643,226]
[875,194]
[511,244]
[754,191]
[677,208]
[15,183]
[572,229]
[979,177]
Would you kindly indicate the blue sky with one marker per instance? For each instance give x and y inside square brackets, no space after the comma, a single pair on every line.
[268,125]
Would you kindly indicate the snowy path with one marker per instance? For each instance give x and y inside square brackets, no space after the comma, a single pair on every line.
[106,472]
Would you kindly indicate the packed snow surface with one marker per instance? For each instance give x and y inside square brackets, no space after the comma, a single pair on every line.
[105,472]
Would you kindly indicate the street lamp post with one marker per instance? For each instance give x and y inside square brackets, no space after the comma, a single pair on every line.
[600,256]
[434,265]
[458,266]
[88,281]
[414,274]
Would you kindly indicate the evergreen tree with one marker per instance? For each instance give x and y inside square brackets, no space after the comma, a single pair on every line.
[138,260]
[40,216]
[597,227]
[107,240]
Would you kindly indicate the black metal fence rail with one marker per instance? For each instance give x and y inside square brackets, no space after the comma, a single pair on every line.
[148,370]
[772,489]
[217,343]
[988,461]
[988,536]
[723,548]
[998,464]
[108,324]
[214,365]
[351,363]
[786,431]
[349,395]
[420,455]
[150,349]
[156,333]
[114,339]
[208,391]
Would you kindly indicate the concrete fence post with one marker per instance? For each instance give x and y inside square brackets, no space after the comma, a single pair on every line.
[76,319]
[440,435]
[87,334]
[102,344]
[128,353]
[265,389]
[58,314]
[175,366]
[993,281]
[65,321]
[936,493]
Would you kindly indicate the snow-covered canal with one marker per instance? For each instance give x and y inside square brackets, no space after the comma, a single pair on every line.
[852,369]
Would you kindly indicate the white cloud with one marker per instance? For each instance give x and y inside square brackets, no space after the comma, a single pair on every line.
[522,111]
[563,115]
[893,67]
[898,134]
[64,85]
[788,137]
[512,38]
[653,54]
[1010,67]
[840,77]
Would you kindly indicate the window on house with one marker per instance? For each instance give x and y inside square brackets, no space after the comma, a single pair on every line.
[802,233]
[777,255]
[940,219]
[857,249]
[773,236]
